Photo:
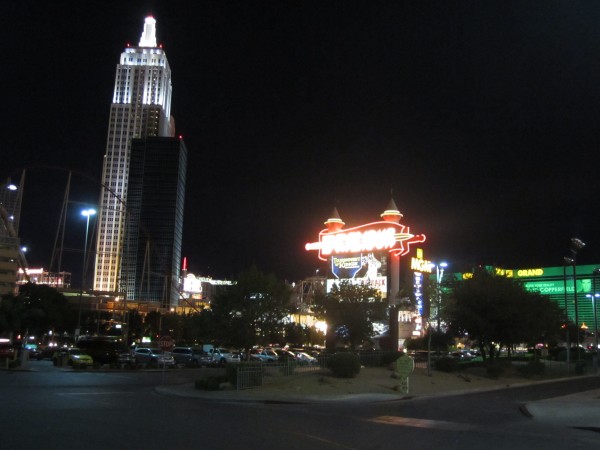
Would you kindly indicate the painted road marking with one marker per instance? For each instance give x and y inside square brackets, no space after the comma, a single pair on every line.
[423,423]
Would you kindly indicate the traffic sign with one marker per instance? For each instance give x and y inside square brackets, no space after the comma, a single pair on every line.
[166,343]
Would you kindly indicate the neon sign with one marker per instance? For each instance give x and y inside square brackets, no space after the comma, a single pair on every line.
[393,237]
[510,273]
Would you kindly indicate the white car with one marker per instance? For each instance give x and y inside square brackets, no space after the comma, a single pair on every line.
[224,356]
[153,357]
[265,355]
[305,359]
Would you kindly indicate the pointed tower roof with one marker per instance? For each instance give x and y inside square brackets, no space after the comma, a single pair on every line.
[391,213]
[148,38]
[334,223]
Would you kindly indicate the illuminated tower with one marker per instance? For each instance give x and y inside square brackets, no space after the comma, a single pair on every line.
[141,108]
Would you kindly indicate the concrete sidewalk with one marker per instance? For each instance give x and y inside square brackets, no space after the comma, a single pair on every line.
[574,410]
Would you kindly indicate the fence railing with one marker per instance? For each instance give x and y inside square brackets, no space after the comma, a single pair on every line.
[253,375]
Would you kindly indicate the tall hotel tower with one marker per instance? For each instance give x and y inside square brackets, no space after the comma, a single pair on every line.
[141,108]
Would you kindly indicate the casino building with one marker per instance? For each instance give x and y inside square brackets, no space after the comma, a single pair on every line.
[571,287]
[370,254]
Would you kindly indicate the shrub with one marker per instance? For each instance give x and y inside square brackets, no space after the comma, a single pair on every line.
[344,365]
[446,364]
[210,383]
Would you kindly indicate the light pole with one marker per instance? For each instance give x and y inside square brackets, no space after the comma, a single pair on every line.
[567,261]
[594,297]
[576,245]
[87,213]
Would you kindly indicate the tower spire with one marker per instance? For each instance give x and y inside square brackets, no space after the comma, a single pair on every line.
[148,38]
[391,213]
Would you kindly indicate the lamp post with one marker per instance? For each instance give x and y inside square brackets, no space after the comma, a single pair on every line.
[576,245]
[567,261]
[594,297]
[87,213]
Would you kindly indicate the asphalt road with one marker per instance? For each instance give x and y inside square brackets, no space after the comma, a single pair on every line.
[52,408]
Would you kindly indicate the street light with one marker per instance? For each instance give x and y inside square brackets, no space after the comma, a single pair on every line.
[570,262]
[87,213]
[594,297]
[576,245]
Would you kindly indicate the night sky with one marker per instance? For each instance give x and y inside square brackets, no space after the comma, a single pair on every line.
[480,117]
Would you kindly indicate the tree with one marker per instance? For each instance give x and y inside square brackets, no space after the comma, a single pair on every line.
[350,310]
[498,312]
[36,310]
[251,311]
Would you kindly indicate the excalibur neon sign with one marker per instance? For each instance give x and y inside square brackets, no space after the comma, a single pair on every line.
[394,237]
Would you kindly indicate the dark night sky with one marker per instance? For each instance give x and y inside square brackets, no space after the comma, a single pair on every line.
[482,117]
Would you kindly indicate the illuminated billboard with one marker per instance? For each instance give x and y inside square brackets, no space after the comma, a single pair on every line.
[376,236]
[368,269]
[362,254]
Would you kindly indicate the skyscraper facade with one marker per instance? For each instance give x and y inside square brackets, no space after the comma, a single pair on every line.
[154,232]
[141,107]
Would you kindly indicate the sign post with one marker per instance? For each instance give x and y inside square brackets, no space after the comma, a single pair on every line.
[166,343]
[404,367]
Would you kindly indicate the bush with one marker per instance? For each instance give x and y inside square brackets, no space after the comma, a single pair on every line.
[446,364]
[210,383]
[344,365]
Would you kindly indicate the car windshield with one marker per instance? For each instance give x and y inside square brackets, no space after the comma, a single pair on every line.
[76,351]
[223,350]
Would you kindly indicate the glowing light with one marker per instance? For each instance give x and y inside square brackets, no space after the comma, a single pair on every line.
[88,212]
[148,38]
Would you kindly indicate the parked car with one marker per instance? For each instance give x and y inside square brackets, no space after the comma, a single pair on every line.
[34,351]
[7,350]
[105,351]
[73,356]
[285,355]
[266,355]
[153,357]
[304,359]
[48,351]
[224,356]
[191,356]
